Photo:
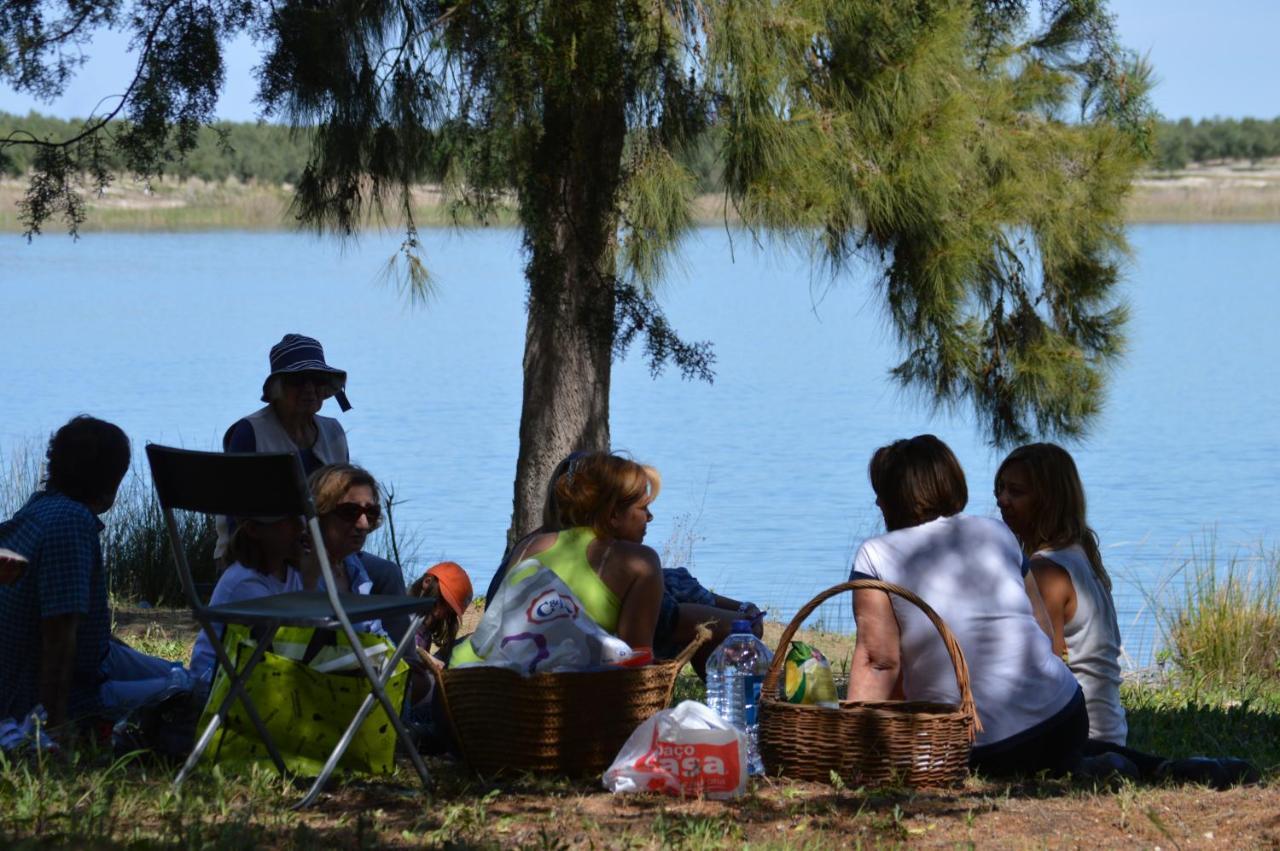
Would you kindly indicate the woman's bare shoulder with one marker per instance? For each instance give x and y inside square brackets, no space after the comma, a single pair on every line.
[534,544]
[638,556]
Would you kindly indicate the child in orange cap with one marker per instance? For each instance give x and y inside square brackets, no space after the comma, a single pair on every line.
[451,586]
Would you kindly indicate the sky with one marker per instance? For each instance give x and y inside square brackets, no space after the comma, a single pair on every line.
[1210,59]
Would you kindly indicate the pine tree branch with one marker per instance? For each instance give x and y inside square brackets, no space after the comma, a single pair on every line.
[92,128]
[40,44]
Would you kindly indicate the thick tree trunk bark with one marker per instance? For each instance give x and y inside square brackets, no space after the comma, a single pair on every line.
[569,211]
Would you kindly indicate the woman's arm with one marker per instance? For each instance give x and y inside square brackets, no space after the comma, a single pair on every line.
[877,654]
[748,611]
[1059,598]
[1038,607]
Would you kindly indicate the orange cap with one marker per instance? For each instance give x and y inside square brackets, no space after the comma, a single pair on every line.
[455,585]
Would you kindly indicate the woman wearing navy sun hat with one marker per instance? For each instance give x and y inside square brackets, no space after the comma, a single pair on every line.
[299,382]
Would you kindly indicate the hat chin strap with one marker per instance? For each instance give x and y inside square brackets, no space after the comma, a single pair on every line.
[341,398]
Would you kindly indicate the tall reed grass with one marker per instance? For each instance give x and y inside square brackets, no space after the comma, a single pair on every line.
[1223,629]
[137,553]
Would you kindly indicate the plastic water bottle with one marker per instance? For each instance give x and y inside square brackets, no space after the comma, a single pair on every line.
[735,673]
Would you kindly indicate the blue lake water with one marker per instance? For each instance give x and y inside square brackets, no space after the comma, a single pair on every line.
[765,491]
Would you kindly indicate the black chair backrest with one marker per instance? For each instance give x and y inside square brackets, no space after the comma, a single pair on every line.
[240,484]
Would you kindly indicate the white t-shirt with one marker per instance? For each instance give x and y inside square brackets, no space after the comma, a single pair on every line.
[237,583]
[1093,645]
[969,570]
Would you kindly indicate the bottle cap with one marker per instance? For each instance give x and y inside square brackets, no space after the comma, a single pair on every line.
[741,626]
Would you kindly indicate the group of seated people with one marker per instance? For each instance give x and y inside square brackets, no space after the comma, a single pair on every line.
[1027,596]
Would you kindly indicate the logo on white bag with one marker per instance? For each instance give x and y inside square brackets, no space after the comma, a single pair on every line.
[551,605]
[689,762]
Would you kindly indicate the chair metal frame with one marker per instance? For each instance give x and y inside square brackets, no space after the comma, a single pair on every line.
[273,484]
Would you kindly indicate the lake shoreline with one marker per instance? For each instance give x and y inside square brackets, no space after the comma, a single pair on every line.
[1220,192]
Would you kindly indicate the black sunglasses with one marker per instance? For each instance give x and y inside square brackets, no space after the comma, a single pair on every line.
[349,512]
[298,379]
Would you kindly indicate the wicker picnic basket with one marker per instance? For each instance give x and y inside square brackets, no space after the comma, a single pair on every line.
[880,743]
[570,724]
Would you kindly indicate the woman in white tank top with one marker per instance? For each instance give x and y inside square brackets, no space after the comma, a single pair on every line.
[1042,501]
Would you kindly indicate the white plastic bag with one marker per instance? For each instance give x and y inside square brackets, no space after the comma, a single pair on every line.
[688,750]
[535,624]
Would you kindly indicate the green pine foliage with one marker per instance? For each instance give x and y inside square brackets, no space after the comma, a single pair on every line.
[987,192]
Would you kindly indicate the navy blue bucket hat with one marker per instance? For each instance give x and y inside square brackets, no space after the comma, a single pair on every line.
[296,353]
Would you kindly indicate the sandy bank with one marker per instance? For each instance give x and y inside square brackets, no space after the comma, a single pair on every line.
[1220,192]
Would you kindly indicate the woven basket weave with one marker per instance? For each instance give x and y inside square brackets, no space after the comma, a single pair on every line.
[880,743]
[571,723]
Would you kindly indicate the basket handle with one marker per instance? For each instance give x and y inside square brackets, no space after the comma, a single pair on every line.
[770,685]
[700,637]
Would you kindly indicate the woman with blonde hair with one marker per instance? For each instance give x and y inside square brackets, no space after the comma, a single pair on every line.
[686,603]
[346,500]
[602,510]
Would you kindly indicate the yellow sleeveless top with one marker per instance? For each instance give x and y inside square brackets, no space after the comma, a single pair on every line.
[567,559]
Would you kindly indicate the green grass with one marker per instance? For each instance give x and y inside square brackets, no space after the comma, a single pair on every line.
[1222,631]
[94,799]
[1175,721]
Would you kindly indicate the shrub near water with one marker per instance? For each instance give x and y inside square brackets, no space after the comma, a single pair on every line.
[1226,632]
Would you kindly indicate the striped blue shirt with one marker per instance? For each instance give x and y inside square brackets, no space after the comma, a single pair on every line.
[60,537]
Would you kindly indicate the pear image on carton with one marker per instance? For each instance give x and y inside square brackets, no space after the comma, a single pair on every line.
[808,677]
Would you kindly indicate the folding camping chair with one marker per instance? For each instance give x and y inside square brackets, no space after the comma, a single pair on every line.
[264,485]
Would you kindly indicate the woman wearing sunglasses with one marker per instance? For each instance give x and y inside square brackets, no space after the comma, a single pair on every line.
[346,499]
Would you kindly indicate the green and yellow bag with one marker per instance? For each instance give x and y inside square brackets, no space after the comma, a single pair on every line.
[808,677]
[304,709]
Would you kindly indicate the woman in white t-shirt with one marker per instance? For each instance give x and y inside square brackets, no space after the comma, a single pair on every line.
[969,570]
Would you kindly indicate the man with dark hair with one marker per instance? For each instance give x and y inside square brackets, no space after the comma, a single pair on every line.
[56,648]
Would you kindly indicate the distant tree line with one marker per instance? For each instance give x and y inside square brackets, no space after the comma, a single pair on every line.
[270,153]
[266,153]
[1179,143]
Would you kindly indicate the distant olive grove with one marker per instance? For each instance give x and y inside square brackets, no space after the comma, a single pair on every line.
[269,153]
[1183,142]
[265,153]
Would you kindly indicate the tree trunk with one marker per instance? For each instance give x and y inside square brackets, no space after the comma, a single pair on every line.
[569,211]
